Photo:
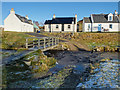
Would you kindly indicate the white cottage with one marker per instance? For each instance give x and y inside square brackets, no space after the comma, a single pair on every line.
[17,23]
[101,23]
[61,24]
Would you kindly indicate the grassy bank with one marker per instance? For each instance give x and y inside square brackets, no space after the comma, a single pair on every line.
[13,40]
[90,40]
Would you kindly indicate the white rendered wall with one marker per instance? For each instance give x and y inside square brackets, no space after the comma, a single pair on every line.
[66,29]
[115,27]
[106,26]
[59,29]
[119,27]
[47,27]
[12,23]
[85,27]
[26,27]
[54,29]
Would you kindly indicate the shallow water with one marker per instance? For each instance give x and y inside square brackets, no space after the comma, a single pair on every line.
[105,75]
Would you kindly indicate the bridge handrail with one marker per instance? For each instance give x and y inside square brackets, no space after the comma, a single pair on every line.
[40,37]
[41,41]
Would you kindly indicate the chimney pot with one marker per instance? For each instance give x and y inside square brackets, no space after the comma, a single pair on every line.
[54,16]
[12,11]
[27,16]
[116,13]
[75,15]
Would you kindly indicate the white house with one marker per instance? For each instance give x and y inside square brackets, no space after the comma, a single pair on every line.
[101,23]
[61,24]
[17,23]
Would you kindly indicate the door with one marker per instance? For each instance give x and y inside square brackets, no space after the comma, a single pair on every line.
[99,28]
[62,27]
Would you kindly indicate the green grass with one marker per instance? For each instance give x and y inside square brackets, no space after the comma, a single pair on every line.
[13,40]
[43,62]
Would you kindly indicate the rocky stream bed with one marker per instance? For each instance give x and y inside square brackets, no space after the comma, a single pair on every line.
[73,69]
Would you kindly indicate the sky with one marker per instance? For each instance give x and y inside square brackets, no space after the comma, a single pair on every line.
[41,11]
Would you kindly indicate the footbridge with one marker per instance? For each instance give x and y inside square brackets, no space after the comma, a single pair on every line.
[43,43]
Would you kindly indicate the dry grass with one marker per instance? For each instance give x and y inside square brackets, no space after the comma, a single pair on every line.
[98,39]
[13,40]
[90,39]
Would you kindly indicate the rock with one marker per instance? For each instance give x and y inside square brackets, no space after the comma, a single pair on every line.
[28,62]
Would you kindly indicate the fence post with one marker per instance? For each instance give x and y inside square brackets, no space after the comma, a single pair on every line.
[38,43]
[44,43]
[27,43]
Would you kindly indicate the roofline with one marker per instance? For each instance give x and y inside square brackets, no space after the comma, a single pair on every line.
[27,23]
[24,17]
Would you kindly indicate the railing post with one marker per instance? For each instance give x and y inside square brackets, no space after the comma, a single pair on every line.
[26,42]
[55,41]
[52,41]
[39,43]
[58,40]
[44,43]
[33,43]
[49,42]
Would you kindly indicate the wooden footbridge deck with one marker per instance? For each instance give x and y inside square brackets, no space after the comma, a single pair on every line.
[43,43]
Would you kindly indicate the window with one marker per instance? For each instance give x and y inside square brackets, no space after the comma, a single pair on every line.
[110,18]
[110,26]
[46,27]
[69,26]
[88,26]
[56,26]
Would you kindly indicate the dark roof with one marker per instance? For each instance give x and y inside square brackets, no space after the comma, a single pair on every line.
[87,20]
[48,21]
[63,20]
[103,18]
[80,21]
[23,19]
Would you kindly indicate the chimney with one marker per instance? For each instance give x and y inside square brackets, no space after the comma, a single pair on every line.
[76,18]
[75,15]
[27,16]
[12,11]
[116,13]
[54,16]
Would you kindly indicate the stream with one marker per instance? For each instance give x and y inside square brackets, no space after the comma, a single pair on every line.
[72,70]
